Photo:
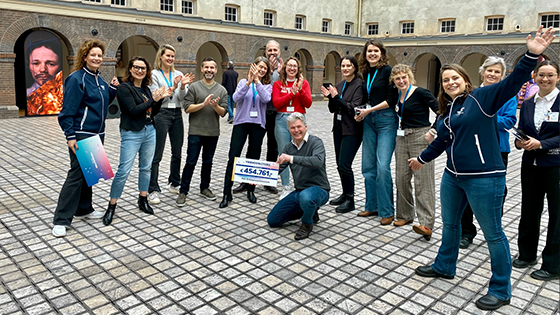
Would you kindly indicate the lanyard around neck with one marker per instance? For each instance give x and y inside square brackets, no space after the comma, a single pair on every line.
[255,93]
[167,81]
[370,83]
[343,88]
[402,105]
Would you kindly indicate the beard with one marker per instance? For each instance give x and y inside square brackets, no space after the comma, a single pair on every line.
[209,75]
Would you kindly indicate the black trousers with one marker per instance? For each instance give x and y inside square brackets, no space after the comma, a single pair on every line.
[536,182]
[271,145]
[255,134]
[75,195]
[468,229]
[345,148]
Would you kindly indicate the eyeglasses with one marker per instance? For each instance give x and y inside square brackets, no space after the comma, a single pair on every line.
[138,68]
[291,66]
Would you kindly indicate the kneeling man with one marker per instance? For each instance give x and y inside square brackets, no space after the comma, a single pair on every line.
[305,156]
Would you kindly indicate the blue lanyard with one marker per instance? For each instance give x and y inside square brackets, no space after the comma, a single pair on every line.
[343,87]
[402,106]
[255,93]
[370,83]
[168,81]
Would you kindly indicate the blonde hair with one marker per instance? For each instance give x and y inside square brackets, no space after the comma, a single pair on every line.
[83,51]
[402,68]
[160,52]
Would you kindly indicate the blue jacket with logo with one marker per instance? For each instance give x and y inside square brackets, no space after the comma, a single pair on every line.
[85,103]
[469,132]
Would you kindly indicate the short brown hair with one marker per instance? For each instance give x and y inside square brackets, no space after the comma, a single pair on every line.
[84,50]
[147,79]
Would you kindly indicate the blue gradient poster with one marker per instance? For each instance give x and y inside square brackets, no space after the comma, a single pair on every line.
[93,160]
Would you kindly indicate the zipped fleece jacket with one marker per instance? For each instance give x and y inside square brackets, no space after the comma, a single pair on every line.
[85,103]
[469,132]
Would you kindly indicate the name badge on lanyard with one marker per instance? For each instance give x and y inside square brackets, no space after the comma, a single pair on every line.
[551,117]
[338,116]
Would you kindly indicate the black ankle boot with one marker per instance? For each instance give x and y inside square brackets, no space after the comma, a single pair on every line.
[225,201]
[347,205]
[251,196]
[338,201]
[108,217]
[144,205]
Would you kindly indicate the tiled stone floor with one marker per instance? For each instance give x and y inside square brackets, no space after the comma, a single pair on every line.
[203,260]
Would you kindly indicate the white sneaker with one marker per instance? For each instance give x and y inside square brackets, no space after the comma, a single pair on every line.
[93,215]
[153,198]
[59,231]
[173,189]
[285,191]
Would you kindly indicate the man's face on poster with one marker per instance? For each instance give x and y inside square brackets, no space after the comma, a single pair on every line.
[44,64]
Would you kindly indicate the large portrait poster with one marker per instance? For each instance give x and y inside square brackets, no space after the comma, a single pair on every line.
[43,60]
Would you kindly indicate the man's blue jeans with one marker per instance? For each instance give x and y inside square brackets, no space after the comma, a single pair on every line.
[380,132]
[231,104]
[485,195]
[283,137]
[143,143]
[298,204]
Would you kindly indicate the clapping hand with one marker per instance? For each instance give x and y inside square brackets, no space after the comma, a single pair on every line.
[186,80]
[161,93]
[333,91]
[176,81]
[541,41]
[325,91]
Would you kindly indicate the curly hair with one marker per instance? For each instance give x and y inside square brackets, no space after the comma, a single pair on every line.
[266,78]
[364,64]
[128,76]
[83,51]
[402,68]
[283,75]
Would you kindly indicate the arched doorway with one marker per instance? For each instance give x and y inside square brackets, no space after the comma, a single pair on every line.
[471,63]
[216,51]
[305,60]
[331,73]
[137,46]
[260,52]
[40,68]
[427,72]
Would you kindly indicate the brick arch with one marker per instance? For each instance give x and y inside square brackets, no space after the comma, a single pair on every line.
[221,41]
[307,54]
[462,55]
[256,45]
[124,33]
[16,29]
[433,51]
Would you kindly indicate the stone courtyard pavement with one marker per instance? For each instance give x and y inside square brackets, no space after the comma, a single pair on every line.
[203,260]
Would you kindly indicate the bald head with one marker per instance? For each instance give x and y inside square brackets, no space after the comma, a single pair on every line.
[272,49]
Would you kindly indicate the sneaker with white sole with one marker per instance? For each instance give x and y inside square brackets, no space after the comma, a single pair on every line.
[93,215]
[173,189]
[285,191]
[153,198]
[59,231]
[208,194]
[181,200]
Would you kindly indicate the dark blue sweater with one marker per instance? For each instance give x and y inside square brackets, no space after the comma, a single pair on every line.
[86,99]
[469,132]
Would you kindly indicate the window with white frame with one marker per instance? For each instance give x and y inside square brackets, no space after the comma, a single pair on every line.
[447,26]
[269,17]
[494,24]
[373,29]
[231,13]
[550,20]
[166,5]
[300,22]
[407,27]
[348,26]
[118,2]
[187,7]
[326,26]
[94,1]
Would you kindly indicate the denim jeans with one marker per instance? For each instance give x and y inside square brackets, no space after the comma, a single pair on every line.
[143,143]
[168,121]
[196,144]
[298,204]
[283,137]
[231,104]
[75,197]
[378,144]
[485,195]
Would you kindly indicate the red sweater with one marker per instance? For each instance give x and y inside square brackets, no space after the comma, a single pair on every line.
[282,97]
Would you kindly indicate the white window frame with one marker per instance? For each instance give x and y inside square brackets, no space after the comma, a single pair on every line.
[407,27]
[376,29]
[301,22]
[271,18]
[553,19]
[348,28]
[167,5]
[326,26]
[120,3]
[185,8]
[233,13]
[447,28]
[494,23]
